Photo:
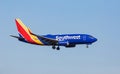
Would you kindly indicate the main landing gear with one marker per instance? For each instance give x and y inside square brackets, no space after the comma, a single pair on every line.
[53,47]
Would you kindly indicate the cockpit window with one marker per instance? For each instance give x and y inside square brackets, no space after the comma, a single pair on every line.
[91,37]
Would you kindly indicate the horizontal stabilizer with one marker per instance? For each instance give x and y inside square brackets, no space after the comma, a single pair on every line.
[16,37]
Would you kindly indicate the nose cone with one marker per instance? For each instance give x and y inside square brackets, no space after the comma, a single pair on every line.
[92,39]
[95,39]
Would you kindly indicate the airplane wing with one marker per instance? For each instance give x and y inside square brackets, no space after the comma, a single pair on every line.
[48,40]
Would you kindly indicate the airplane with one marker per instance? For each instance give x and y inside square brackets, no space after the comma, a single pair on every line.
[66,40]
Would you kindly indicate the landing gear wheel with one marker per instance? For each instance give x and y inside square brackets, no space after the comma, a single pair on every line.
[58,48]
[53,47]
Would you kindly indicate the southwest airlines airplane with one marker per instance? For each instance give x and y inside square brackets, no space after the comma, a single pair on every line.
[66,40]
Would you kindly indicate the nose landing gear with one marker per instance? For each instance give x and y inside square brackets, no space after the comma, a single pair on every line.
[87,46]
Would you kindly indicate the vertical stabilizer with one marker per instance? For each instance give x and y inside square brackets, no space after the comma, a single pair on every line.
[26,32]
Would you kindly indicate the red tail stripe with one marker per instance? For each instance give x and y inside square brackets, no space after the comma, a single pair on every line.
[23,32]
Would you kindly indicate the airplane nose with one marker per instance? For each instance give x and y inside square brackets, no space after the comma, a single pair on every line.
[95,39]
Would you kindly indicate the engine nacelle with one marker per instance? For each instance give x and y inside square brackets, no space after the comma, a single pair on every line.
[66,44]
[70,45]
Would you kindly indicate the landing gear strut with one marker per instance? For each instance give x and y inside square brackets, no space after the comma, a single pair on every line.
[53,47]
[87,46]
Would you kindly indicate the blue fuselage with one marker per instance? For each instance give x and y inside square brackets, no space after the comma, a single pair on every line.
[71,39]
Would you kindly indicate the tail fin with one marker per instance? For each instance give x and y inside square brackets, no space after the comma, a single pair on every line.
[26,32]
